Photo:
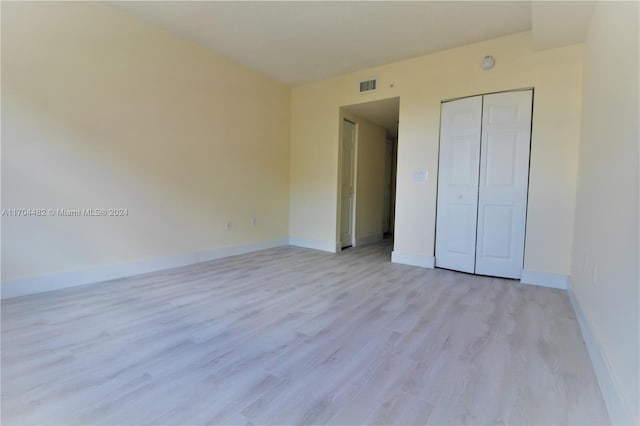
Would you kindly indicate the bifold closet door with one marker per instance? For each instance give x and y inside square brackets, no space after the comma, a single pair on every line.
[458,171]
[503,186]
[483,179]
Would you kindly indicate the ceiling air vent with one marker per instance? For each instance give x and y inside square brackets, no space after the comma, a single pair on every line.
[368,86]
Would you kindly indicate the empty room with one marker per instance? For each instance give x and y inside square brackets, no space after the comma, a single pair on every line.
[309,213]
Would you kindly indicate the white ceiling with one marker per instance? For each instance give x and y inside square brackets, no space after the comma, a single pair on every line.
[384,113]
[299,42]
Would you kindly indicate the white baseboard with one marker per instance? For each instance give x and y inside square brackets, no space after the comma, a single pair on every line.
[316,245]
[412,259]
[620,413]
[545,279]
[31,285]
[368,239]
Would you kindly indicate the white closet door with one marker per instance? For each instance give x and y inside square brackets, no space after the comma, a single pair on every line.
[458,184]
[504,178]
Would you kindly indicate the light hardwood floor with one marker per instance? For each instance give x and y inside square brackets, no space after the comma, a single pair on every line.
[296,336]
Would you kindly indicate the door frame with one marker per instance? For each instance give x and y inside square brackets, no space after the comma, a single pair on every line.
[437,173]
[354,172]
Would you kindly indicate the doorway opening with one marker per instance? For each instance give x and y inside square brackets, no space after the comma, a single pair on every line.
[367,168]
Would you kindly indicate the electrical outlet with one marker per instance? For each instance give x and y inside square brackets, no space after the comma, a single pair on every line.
[253,222]
[229,225]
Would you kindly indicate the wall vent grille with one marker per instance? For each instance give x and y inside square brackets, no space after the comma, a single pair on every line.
[368,86]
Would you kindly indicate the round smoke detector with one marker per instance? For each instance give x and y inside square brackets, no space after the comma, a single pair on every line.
[487,63]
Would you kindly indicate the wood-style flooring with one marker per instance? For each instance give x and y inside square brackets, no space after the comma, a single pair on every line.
[296,336]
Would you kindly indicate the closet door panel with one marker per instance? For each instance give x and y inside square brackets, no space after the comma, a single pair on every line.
[458,184]
[503,184]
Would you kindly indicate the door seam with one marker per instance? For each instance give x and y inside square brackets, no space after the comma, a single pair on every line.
[475,251]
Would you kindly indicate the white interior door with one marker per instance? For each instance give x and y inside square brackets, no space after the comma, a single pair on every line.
[347,182]
[460,130]
[504,179]
[386,215]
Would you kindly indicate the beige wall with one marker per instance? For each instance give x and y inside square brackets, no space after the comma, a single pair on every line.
[100,110]
[370,157]
[606,219]
[421,84]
